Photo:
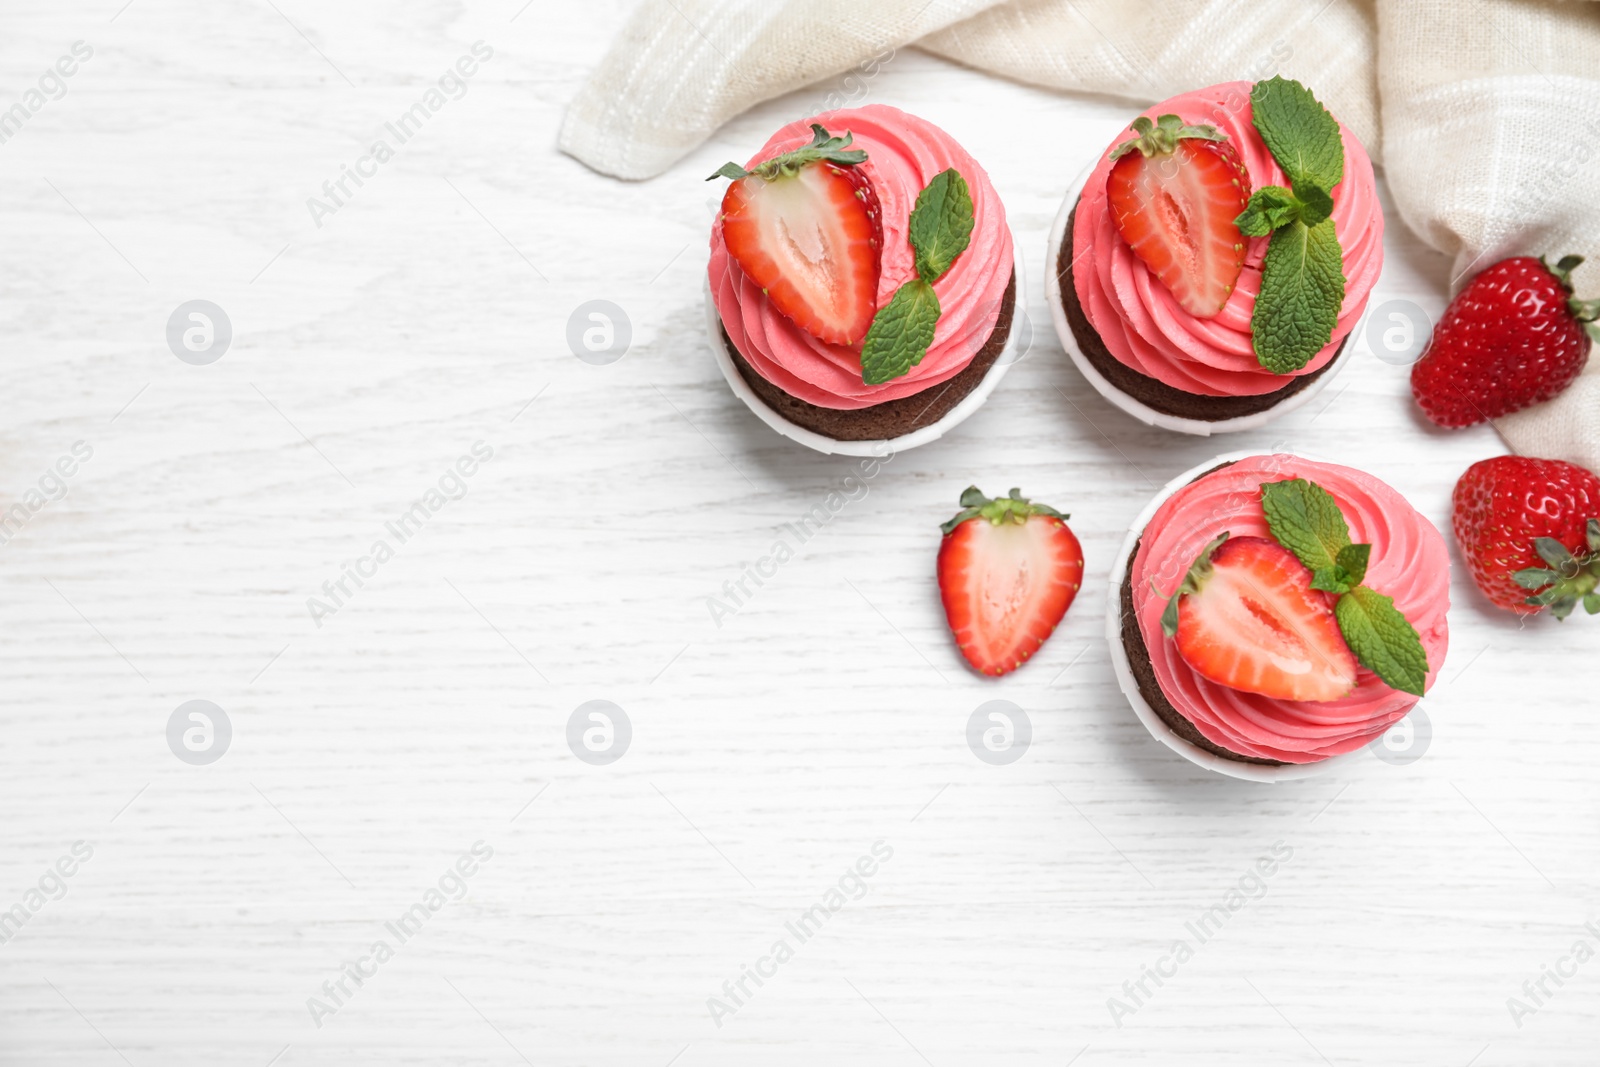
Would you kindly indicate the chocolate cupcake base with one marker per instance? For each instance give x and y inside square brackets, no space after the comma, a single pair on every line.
[892,418]
[1145,676]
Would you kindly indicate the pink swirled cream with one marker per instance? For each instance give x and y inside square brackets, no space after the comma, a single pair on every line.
[1408,562]
[1148,346]
[819,384]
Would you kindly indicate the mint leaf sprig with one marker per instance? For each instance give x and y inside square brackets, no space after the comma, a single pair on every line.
[1305,519]
[1302,279]
[940,230]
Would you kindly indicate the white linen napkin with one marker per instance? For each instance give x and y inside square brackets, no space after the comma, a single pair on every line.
[1484,114]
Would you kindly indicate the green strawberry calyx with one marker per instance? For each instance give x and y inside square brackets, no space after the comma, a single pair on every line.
[1193,581]
[1161,137]
[824,148]
[1014,509]
[1585,311]
[1569,579]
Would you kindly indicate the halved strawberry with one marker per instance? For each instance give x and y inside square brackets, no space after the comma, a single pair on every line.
[1246,617]
[1174,192]
[805,227]
[1008,571]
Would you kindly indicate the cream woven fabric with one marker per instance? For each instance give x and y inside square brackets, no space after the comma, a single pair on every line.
[1484,114]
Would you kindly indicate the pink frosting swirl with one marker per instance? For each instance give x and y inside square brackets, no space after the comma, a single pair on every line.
[1136,316]
[903,154]
[1409,563]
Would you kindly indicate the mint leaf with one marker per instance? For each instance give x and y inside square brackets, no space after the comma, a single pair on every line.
[1273,207]
[1302,290]
[1382,639]
[1305,519]
[1352,560]
[1349,567]
[900,334]
[1332,580]
[1299,132]
[941,224]
[1302,280]
[1198,572]
[1316,203]
[940,229]
[1270,207]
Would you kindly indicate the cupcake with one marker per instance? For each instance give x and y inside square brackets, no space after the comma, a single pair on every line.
[862,279]
[1271,613]
[1211,267]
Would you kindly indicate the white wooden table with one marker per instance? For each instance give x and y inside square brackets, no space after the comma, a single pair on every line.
[767,754]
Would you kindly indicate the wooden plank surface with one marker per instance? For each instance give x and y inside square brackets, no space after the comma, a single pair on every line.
[768,753]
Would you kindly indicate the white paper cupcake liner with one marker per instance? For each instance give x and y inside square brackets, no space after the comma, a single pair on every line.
[1252,772]
[1143,412]
[828,445]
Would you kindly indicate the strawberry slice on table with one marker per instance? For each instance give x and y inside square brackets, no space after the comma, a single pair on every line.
[1530,532]
[1175,191]
[1514,336]
[805,227]
[1245,616]
[1008,570]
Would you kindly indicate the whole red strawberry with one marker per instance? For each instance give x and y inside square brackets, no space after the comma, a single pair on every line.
[1530,531]
[1008,570]
[1514,336]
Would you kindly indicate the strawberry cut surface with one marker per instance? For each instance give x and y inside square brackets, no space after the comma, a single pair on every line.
[1008,570]
[1174,197]
[812,241]
[1253,623]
